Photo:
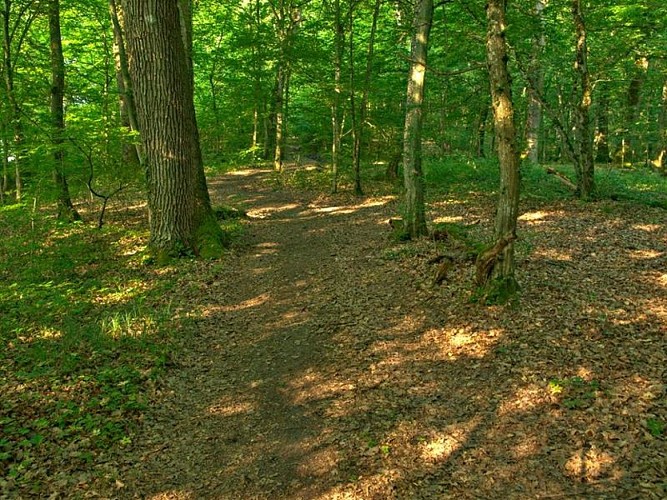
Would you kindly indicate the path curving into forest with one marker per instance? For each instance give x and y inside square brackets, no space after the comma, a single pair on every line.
[326,365]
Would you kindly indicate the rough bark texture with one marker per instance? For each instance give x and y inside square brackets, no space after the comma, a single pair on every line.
[415,218]
[583,140]
[181,219]
[128,109]
[495,267]
[66,210]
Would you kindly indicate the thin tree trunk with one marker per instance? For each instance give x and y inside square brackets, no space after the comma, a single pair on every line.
[481,130]
[627,152]
[336,108]
[66,210]
[128,109]
[354,118]
[14,110]
[279,151]
[182,220]
[602,132]
[583,140]
[495,266]
[358,132]
[415,217]
[661,160]
[536,73]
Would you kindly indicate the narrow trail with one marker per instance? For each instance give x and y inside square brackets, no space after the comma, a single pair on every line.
[324,363]
[246,415]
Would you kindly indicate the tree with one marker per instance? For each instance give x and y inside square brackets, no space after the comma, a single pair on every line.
[66,210]
[128,109]
[536,73]
[415,219]
[583,139]
[495,266]
[181,218]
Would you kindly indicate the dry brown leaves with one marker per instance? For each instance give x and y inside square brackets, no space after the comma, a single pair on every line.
[327,365]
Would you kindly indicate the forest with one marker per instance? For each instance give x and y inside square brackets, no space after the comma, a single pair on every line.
[337,249]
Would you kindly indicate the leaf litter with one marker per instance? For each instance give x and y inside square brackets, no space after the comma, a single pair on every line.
[324,363]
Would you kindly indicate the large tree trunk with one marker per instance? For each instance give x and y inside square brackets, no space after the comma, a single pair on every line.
[583,140]
[181,219]
[495,266]
[66,210]
[536,74]
[415,218]
[128,111]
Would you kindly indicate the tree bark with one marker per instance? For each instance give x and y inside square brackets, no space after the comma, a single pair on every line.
[128,110]
[661,160]
[14,109]
[602,132]
[583,140]
[181,218]
[536,74]
[415,217]
[66,210]
[495,266]
[336,107]
[358,131]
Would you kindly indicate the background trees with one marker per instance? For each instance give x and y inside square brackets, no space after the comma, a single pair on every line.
[323,82]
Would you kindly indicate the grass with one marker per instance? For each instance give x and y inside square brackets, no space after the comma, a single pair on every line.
[86,330]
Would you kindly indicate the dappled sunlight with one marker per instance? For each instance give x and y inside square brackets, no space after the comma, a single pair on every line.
[590,464]
[351,208]
[246,304]
[231,408]
[267,211]
[553,254]
[644,254]
[468,342]
[439,448]
[648,228]
[314,386]
[524,399]
[448,219]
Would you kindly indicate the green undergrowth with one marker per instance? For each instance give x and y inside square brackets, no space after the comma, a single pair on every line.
[460,175]
[87,328]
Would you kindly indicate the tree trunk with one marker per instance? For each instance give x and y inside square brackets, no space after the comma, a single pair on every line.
[279,151]
[66,210]
[415,217]
[495,266]
[583,140]
[181,218]
[128,110]
[536,74]
[336,107]
[661,160]
[358,131]
[627,151]
[14,109]
[602,132]
[481,130]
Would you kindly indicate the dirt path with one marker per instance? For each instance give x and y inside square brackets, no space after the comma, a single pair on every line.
[326,366]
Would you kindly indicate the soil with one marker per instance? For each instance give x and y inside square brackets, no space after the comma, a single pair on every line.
[326,364]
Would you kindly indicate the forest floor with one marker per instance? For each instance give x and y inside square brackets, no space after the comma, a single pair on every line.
[324,362]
